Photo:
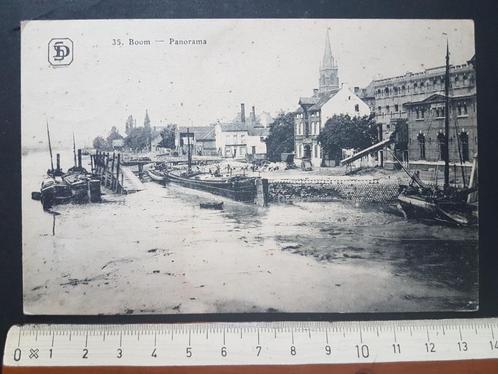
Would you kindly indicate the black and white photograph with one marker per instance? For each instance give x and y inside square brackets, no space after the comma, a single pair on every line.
[249,166]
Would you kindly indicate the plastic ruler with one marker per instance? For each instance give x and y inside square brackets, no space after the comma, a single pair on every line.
[268,344]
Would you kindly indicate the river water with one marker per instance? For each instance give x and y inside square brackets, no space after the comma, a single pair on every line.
[156,251]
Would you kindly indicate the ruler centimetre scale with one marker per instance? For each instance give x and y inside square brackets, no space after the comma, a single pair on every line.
[261,343]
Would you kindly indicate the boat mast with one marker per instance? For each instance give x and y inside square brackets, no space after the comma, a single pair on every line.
[50,149]
[189,154]
[74,150]
[446,152]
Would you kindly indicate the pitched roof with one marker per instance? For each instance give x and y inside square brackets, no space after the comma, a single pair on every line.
[200,132]
[317,101]
[233,127]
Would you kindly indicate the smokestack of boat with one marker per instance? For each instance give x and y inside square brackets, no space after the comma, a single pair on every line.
[58,161]
[79,158]
[253,114]
[242,113]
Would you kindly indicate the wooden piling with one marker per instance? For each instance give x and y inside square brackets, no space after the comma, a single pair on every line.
[105,169]
[113,180]
[261,192]
[118,186]
[140,170]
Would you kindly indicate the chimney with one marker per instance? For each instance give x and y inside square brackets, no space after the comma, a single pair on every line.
[242,113]
[315,91]
[253,115]
[356,90]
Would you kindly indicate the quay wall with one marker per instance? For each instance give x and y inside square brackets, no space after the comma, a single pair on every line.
[373,190]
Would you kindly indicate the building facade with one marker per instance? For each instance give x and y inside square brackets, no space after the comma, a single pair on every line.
[395,99]
[426,135]
[328,100]
[242,137]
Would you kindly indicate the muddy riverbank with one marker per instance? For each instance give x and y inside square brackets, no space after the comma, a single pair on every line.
[156,251]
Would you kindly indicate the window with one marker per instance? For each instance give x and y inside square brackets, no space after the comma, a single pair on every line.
[465,108]
[316,151]
[463,137]
[379,109]
[415,85]
[357,108]
[417,113]
[387,108]
[396,107]
[442,146]
[421,146]
[422,113]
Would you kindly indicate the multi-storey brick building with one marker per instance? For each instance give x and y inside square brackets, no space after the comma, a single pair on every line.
[418,98]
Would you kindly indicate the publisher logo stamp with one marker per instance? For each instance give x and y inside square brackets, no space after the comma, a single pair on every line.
[60,51]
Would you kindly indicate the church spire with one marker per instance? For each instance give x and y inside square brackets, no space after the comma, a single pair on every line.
[329,78]
[328,59]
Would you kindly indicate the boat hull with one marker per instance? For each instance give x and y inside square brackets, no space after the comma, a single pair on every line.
[415,207]
[236,189]
[54,193]
[157,177]
[418,207]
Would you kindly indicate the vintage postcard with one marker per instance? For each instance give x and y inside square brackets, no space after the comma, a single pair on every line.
[214,166]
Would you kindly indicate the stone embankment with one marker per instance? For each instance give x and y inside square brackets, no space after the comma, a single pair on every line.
[372,190]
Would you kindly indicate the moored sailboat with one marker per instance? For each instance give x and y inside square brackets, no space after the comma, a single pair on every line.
[450,204]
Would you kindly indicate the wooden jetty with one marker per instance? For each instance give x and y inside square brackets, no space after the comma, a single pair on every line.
[113,175]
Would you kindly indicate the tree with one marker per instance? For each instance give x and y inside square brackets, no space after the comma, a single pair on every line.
[281,137]
[114,134]
[345,132]
[100,143]
[137,139]
[168,137]
[147,129]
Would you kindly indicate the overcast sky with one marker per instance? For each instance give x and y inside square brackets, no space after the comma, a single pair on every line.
[266,63]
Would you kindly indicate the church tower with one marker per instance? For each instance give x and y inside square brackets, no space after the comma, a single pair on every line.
[329,78]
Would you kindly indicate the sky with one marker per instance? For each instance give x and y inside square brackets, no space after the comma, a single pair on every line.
[265,63]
